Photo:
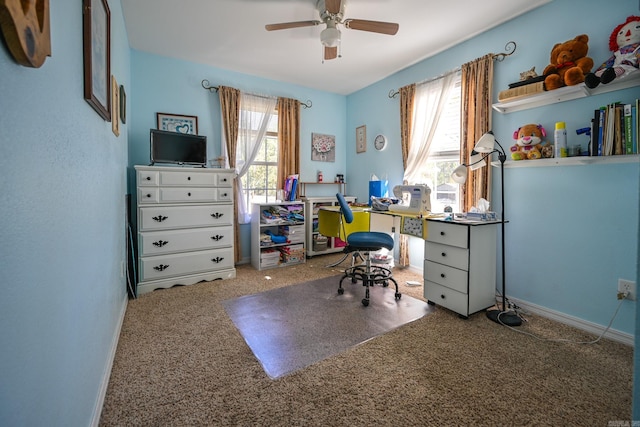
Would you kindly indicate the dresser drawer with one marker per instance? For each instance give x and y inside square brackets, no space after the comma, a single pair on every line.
[446,297]
[148,195]
[224,179]
[162,242]
[185,195]
[448,255]
[448,234]
[161,266]
[146,178]
[444,275]
[167,217]
[187,178]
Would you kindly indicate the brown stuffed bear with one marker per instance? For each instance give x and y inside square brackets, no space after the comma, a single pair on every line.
[569,63]
[529,142]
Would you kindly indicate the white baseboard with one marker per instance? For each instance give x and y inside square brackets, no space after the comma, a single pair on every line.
[97,409]
[576,322]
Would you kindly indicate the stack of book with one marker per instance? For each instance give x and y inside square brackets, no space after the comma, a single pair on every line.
[614,130]
[522,88]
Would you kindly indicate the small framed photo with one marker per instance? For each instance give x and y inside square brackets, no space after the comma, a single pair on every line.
[123,105]
[361,139]
[177,123]
[115,106]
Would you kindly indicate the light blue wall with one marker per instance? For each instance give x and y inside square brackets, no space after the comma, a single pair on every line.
[62,215]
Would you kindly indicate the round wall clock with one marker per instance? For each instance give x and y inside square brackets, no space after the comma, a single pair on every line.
[380,142]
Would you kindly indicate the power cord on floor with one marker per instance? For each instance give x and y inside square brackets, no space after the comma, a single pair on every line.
[625,295]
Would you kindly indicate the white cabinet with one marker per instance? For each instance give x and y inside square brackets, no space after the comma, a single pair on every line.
[185,226]
[277,234]
[460,265]
[317,244]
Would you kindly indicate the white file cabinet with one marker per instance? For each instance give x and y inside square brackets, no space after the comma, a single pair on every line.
[460,265]
[185,226]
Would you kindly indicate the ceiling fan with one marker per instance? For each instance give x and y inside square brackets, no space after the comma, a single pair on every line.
[331,14]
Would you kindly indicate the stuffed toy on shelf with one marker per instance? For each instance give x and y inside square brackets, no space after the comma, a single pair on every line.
[530,143]
[569,63]
[624,42]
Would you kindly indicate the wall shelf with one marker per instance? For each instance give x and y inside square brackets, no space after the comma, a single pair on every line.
[571,161]
[562,94]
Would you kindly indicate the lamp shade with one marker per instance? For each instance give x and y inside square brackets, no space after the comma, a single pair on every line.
[486,143]
[459,174]
[330,37]
[476,161]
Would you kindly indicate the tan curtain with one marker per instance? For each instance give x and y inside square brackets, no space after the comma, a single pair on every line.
[475,121]
[230,113]
[407,100]
[288,138]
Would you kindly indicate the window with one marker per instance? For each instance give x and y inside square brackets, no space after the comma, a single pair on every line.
[260,182]
[444,156]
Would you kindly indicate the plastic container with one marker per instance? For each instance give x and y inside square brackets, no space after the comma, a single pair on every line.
[560,140]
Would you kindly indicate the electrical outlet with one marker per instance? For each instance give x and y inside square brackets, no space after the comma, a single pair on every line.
[627,286]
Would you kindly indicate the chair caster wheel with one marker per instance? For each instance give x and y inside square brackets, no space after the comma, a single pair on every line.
[340,291]
[398,295]
[365,302]
[385,284]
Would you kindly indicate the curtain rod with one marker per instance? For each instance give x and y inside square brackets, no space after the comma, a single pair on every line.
[207,86]
[510,47]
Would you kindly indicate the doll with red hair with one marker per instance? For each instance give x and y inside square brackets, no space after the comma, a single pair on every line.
[624,42]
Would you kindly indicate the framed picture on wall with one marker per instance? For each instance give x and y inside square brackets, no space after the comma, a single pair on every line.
[361,139]
[96,32]
[177,123]
[123,105]
[115,107]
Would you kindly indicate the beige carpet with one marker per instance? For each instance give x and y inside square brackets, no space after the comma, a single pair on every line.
[181,362]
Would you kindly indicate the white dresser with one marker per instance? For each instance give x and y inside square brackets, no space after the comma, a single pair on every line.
[460,265]
[185,226]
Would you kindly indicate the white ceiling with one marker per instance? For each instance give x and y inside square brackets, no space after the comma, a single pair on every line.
[230,34]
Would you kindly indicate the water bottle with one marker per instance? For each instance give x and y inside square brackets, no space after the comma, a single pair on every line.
[560,140]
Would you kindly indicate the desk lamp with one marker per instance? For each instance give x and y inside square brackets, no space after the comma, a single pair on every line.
[484,148]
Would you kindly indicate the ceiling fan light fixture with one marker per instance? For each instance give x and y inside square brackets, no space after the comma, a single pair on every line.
[330,37]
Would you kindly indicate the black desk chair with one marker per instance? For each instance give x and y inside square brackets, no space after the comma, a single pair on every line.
[365,242]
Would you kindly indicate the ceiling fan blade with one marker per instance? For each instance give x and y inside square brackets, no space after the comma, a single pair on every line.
[330,53]
[287,25]
[332,6]
[372,26]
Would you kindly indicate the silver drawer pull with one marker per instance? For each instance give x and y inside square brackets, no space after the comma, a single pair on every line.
[160,218]
[217,237]
[161,267]
[160,243]
[217,259]
[217,215]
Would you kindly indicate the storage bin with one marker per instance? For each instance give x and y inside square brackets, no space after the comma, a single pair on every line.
[320,243]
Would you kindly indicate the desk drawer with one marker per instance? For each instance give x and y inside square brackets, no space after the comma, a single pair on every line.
[444,275]
[448,255]
[448,234]
[447,297]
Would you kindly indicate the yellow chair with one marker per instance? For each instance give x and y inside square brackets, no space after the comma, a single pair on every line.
[365,242]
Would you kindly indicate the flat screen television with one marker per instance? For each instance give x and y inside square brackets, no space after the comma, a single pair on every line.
[178,148]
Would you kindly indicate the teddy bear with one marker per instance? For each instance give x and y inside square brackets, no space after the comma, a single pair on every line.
[529,142]
[624,42]
[569,63]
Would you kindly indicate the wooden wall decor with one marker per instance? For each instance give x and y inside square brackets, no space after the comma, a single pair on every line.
[26,29]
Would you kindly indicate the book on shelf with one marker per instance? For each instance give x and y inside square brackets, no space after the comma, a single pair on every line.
[615,129]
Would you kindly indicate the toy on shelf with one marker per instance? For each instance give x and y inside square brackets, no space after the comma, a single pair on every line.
[569,63]
[530,143]
[624,42]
